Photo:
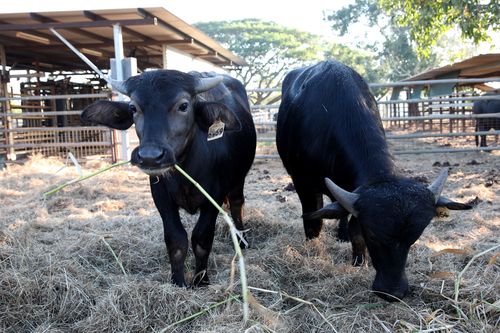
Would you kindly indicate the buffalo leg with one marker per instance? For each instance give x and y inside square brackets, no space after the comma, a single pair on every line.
[236,201]
[343,230]
[357,242]
[174,233]
[477,130]
[202,239]
[311,202]
[483,141]
[480,127]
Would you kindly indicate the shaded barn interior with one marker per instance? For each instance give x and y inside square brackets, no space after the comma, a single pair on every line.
[44,85]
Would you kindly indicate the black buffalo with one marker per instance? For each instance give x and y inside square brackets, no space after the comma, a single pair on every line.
[329,127]
[173,112]
[485,106]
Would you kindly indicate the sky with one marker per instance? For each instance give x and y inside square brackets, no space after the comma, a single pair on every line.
[303,15]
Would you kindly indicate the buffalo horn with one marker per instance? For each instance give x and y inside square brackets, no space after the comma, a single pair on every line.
[207,83]
[437,185]
[119,86]
[345,198]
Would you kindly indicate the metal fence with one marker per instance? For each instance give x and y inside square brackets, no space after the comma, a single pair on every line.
[443,124]
[50,125]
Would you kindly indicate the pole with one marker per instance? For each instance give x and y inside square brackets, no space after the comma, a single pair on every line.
[9,136]
[164,56]
[119,56]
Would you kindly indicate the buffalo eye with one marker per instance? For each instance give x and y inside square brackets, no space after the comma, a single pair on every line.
[183,107]
[132,108]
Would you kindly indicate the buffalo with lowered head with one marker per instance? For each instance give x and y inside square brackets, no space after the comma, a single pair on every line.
[174,114]
[329,127]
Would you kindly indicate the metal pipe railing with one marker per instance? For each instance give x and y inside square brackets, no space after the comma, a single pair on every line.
[52,97]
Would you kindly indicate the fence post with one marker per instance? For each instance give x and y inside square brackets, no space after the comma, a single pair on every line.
[9,136]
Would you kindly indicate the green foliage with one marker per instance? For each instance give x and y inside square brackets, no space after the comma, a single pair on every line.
[364,62]
[398,55]
[424,20]
[428,20]
[344,17]
[270,49]
[400,60]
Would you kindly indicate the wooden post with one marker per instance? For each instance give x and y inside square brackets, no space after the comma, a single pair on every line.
[9,136]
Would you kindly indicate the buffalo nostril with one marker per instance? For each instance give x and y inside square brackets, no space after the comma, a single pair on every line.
[150,155]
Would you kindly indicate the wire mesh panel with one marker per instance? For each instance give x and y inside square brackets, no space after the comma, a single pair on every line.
[45,118]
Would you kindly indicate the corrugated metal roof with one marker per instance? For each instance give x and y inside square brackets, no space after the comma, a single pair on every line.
[30,44]
[484,65]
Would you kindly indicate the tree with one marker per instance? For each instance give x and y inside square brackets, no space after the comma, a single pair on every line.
[364,62]
[271,50]
[400,60]
[424,20]
[397,53]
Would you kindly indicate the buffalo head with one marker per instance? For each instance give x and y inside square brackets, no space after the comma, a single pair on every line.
[168,110]
[392,215]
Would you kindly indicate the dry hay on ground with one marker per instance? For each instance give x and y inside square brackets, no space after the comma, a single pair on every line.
[58,271]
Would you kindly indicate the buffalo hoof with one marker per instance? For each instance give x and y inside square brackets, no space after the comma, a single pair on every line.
[395,296]
[201,279]
[389,297]
[359,260]
[179,283]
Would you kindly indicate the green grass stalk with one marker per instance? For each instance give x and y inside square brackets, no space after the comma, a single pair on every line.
[234,237]
[45,195]
[117,259]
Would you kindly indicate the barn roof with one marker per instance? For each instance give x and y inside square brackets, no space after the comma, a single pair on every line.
[481,66]
[30,44]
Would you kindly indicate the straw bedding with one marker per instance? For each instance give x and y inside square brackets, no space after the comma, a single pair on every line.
[91,258]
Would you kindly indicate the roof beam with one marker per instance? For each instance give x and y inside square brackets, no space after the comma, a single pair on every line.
[44,19]
[63,64]
[95,17]
[84,24]
[36,33]
[156,46]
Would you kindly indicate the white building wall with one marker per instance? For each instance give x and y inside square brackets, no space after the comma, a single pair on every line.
[185,62]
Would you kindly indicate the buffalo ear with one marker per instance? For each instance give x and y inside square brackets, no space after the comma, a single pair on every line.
[209,112]
[330,211]
[453,205]
[112,114]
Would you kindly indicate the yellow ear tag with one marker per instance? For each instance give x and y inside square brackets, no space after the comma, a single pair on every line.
[216,130]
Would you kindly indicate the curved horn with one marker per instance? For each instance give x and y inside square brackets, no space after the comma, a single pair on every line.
[207,83]
[437,185]
[119,86]
[345,198]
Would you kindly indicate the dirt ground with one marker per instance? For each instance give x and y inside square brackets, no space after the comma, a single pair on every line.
[91,258]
